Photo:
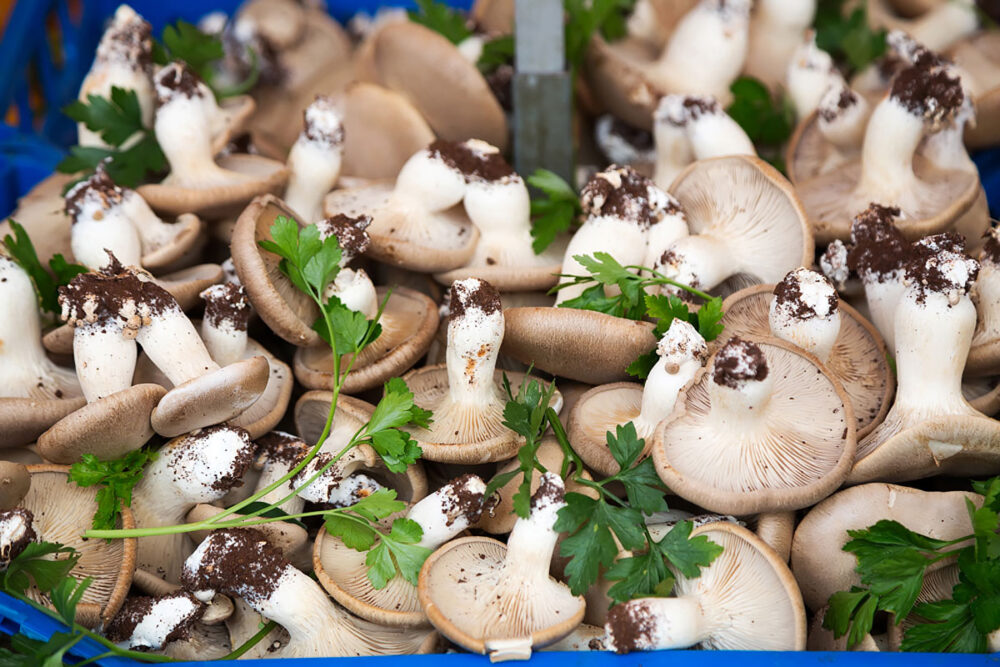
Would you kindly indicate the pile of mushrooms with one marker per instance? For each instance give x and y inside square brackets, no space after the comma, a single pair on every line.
[856,377]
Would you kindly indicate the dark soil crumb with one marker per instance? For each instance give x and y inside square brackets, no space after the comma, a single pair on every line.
[478,165]
[350,232]
[463,501]
[102,296]
[176,79]
[227,302]
[624,193]
[631,626]
[475,294]
[135,609]
[237,562]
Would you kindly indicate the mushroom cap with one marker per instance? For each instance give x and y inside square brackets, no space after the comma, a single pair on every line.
[212,398]
[62,512]
[381,131]
[187,284]
[581,345]
[107,428]
[615,73]
[285,310]
[186,235]
[983,394]
[598,411]
[758,214]
[776,529]
[265,413]
[443,251]
[234,116]
[42,214]
[810,154]
[798,451]
[409,322]
[821,566]
[14,483]
[447,89]
[462,592]
[858,360]
[479,438]
[493,16]
[22,420]
[507,277]
[260,174]
[979,56]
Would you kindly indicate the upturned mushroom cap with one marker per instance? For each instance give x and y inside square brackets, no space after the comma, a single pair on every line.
[41,213]
[409,322]
[62,512]
[820,565]
[763,428]
[107,428]
[581,345]
[747,599]
[446,88]
[858,360]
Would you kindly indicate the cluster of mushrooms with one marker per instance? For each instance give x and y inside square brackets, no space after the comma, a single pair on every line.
[860,349]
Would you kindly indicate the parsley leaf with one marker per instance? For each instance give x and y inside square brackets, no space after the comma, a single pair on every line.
[184,41]
[585,18]
[553,214]
[384,431]
[768,122]
[117,479]
[22,251]
[847,37]
[442,19]
[36,564]
[496,53]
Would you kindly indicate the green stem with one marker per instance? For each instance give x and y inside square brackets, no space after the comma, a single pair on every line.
[663,280]
[253,641]
[89,661]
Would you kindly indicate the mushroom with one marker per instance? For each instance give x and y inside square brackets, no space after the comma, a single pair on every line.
[776,30]
[497,202]
[925,97]
[978,58]
[931,428]
[939,27]
[704,55]
[150,623]
[688,128]
[106,217]
[315,159]
[14,482]
[803,309]
[196,468]
[830,136]
[984,355]
[465,394]
[747,599]
[821,566]
[124,59]
[35,392]
[499,599]
[810,74]
[62,512]
[185,116]
[755,226]
[442,516]
[17,531]
[682,352]
[416,222]
[764,428]
[243,563]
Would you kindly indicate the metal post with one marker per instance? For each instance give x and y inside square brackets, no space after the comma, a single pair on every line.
[543,90]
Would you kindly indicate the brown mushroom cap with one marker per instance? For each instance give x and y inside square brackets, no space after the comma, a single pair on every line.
[799,450]
[858,360]
[381,131]
[979,56]
[14,483]
[821,566]
[42,214]
[409,322]
[615,73]
[187,231]
[22,420]
[983,394]
[597,412]
[212,398]
[776,529]
[263,175]
[445,87]
[582,345]
[810,154]
[107,428]
[493,16]
[455,580]
[62,512]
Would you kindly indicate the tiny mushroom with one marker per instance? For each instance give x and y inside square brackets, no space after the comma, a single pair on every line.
[682,352]
[442,516]
[315,159]
[499,599]
[243,563]
[747,599]
[764,428]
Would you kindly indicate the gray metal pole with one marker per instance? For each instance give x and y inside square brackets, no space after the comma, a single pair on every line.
[543,91]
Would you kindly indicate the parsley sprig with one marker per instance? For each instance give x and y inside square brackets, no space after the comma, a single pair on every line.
[767,120]
[201,51]
[22,250]
[846,35]
[554,212]
[116,478]
[632,301]
[892,563]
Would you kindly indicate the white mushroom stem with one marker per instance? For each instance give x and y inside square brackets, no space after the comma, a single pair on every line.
[448,511]
[355,290]
[811,73]
[987,292]
[776,31]
[153,231]
[673,151]
[665,233]
[501,211]
[707,49]
[105,358]
[430,181]
[281,453]
[805,312]
[891,140]
[682,351]
[741,385]
[224,326]
[946,148]
[330,489]
[172,343]
[700,261]
[225,343]
[315,160]
[166,616]
[644,24]
[843,116]
[97,228]
[533,540]
[474,338]
[882,297]
[672,623]
[710,131]
[945,24]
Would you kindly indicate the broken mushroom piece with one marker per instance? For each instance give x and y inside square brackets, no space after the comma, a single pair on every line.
[755,226]
[315,159]
[465,394]
[35,392]
[764,428]
[62,512]
[17,531]
[108,218]
[804,310]
[197,183]
[243,563]
[499,599]
[931,428]
[681,353]
[416,222]
[342,571]
[747,599]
